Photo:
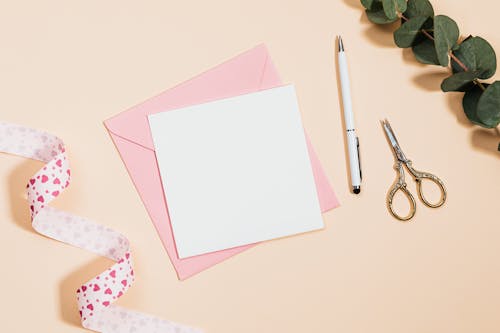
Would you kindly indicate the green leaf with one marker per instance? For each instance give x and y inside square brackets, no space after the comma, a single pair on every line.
[476,54]
[446,34]
[469,102]
[393,7]
[462,81]
[419,8]
[368,4]
[488,106]
[390,9]
[408,34]
[425,52]
[377,15]
[401,5]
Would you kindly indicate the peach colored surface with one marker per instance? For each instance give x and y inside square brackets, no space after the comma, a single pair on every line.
[66,66]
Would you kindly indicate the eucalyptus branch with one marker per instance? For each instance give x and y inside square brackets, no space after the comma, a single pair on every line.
[426,33]
[436,40]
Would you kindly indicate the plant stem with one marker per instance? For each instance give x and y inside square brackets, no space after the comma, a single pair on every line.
[459,63]
[483,88]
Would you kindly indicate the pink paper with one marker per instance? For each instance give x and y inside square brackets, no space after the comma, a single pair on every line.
[249,72]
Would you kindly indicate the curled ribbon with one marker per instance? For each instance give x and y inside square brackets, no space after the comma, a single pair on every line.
[95,297]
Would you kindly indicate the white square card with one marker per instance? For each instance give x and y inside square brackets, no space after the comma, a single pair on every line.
[236,171]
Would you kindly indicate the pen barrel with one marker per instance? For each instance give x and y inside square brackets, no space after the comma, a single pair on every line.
[354,165]
[352,139]
[346,92]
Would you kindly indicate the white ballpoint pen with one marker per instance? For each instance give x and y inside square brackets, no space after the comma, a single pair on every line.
[352,138]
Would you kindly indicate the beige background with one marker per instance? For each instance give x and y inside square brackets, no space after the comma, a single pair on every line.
[65,66]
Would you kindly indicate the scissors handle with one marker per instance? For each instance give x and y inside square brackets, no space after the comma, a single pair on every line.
[400,185]
[420,177]
[411,200]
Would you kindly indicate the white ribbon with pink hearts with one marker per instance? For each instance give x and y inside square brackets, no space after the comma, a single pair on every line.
[95,297]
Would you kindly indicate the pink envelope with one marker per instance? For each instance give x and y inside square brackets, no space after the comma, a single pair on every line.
[249,72]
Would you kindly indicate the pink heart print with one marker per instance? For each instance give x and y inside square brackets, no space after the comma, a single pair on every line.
[96,297]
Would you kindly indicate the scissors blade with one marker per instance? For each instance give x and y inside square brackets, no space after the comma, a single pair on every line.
[393,140]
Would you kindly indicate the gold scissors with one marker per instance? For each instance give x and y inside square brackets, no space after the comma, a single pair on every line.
[418,176]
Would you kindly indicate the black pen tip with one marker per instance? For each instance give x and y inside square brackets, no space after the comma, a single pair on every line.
[357,190]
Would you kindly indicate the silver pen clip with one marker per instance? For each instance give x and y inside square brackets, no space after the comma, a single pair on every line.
[359,159]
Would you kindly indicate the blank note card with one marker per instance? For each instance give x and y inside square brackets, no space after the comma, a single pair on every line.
[236,171]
